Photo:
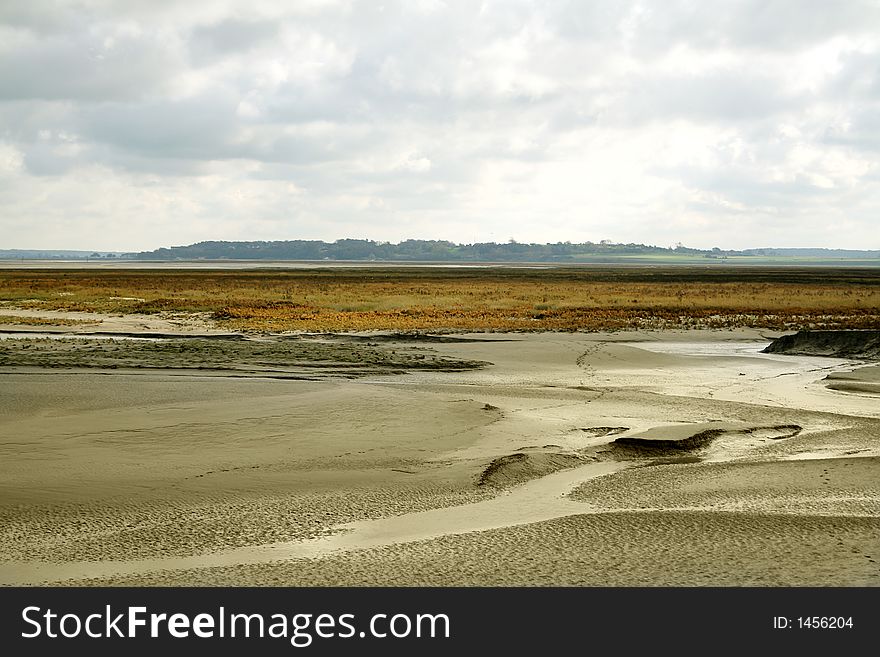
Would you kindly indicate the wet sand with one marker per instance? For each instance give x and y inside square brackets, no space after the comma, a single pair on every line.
[865,380]
[501,474]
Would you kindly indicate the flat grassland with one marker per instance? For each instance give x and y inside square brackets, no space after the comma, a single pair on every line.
[472,299]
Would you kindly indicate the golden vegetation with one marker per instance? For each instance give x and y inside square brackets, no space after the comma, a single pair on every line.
[43,321]
[419,299]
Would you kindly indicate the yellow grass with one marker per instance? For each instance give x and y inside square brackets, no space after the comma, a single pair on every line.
[43,321]
[484,299]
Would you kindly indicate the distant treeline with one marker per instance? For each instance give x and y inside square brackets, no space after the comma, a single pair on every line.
[428,250]
[440,250]
[812,253]
[419,250]
[55,254]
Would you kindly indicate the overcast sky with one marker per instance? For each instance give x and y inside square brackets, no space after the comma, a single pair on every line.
[146,123]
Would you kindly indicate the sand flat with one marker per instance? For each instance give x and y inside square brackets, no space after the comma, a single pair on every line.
[668,548]
[149,478]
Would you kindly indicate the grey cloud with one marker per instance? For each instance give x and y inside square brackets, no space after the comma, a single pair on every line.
[307,149]
[862,131]
[42,159]
[207,128]
[859,77]
[40,16]
[230,36]
[753,24]
[753,191]
[334,101]
[601,20]
[200,128]
[23,120]
[83,67]
[131,162]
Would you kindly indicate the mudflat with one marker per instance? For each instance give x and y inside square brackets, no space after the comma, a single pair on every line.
[625,458]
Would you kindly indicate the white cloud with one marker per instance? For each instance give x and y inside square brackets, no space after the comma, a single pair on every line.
[11,159]
[140,124]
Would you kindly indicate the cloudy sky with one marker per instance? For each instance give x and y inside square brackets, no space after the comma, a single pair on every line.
[146,123]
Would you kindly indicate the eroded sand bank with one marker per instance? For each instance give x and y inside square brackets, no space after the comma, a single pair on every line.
[150,477]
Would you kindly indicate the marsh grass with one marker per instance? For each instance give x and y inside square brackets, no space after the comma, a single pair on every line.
[43,321]
[403,298]
[272,357]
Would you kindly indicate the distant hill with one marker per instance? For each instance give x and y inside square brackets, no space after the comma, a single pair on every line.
[408,250]
[812,253]
[443,251]
[50,254]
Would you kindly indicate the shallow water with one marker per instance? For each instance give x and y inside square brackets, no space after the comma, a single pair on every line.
[737,371]
[721,348]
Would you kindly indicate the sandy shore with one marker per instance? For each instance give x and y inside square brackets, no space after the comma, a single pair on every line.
[423,467]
